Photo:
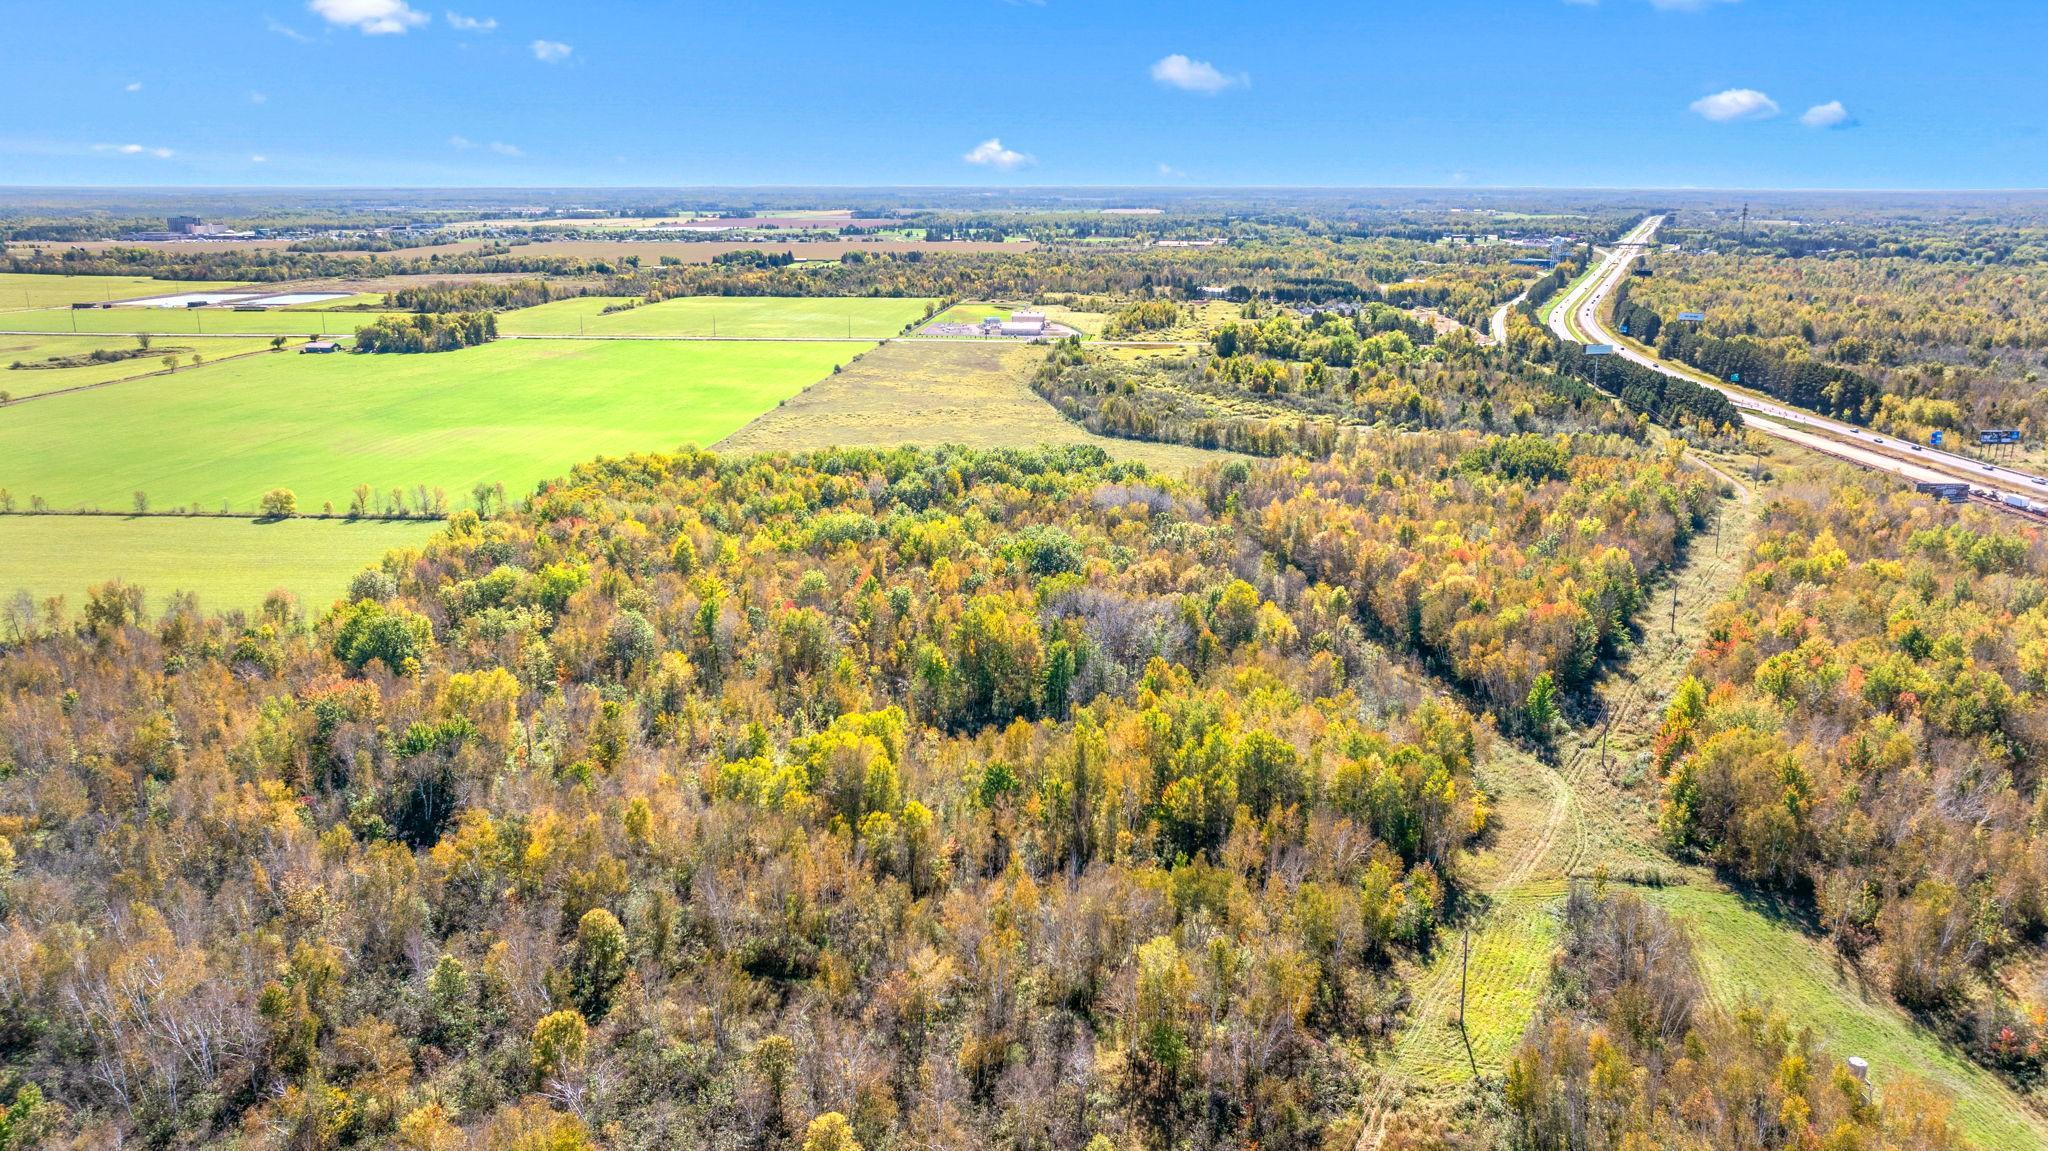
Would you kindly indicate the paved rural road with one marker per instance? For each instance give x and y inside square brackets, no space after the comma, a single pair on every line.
[1578,318]
[1498,324]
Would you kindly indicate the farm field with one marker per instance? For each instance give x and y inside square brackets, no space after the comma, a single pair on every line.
[927,394]
[25,382]
[227,563]
[513,412]
[771,317]
[25,290]
[187,322]
[688,251]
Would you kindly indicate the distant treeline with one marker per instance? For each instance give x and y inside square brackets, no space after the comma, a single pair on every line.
[755,258]
[1667,399]
[1811,384]
[427,332]
[1550,285]
[477,297]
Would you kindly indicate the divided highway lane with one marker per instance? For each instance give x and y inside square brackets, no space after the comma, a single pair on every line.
[1577,318]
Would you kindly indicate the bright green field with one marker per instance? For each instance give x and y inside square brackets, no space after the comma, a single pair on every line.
[1745,952]
[188,321]
[755,316]
[30,349]
[29,290]
[513,412]
[355,301]
[229,563]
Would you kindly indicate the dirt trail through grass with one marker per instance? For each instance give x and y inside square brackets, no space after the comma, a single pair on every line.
[1558,820]
[1594,812]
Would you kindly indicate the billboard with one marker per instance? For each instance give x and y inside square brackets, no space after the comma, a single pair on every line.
[1999,436]
[1693,317]
[1599,349]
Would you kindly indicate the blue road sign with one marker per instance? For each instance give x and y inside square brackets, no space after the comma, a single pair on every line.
[1934,439]
[1693,317]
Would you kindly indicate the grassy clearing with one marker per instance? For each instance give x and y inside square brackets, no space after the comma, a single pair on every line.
[187,322]
[228,563]
[769,317]
[513,412]
[929,394]
[1747,953]
[23,383]
[1510,966]
[24,290]
[358,300]
[973,312]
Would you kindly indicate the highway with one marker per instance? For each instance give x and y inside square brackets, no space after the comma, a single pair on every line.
[1577,318]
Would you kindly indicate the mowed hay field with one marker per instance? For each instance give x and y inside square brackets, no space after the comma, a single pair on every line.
[930,393]
[226,563]
[754,317]
[24,382]
[21,290]
[1746,954]
[189,321]
[513,412]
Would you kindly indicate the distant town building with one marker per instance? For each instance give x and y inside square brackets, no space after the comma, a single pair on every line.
[181,225]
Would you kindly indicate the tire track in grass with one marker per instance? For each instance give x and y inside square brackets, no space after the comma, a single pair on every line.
[1513,938]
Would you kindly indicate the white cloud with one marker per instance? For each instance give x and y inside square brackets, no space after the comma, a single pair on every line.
[259,159]
[463,23]
[259,98]
[461,142]
[1170,172]
[990,153]
[370,17]
[288,32]
[134,87]
[1828,115]
[1178,71]
[134,150]
[1736,104]
[504,149]
[551,51]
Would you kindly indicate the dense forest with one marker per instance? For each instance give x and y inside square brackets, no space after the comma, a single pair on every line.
[946,799]
[1274,382]
[1864,736]
[1908,345]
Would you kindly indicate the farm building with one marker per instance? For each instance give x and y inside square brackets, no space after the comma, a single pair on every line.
[320,347]
[1022,324]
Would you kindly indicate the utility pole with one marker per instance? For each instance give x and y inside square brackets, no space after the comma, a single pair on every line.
[1464,964]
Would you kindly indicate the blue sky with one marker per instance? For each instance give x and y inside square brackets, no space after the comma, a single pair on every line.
[1613,93]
